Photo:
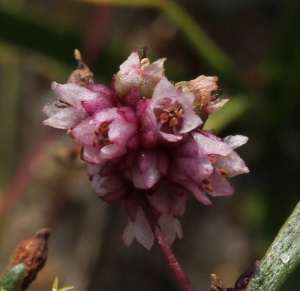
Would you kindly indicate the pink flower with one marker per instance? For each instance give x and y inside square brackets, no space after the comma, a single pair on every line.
[104,135]
[168,115]
[141,74]
[143,136]
[206,93]
[70,109]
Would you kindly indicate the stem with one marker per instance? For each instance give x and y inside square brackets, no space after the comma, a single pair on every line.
[26,171]
[164,245]
[281,259]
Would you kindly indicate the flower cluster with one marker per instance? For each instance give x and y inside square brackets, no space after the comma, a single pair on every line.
[142,135]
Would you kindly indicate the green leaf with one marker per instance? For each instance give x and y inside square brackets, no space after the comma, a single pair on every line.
[13,278]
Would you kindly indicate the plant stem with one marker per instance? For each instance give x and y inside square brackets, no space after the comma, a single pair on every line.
[281,259]
[164,245]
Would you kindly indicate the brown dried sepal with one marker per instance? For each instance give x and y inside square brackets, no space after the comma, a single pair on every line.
[82,75]
[33,253]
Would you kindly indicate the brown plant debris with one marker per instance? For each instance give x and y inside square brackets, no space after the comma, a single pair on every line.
[216,284]
[82,75]
[33,253]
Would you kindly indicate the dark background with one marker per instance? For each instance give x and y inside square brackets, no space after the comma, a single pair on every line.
[44,184]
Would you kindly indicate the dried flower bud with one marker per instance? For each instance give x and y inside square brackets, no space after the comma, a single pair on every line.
[216,284]
[33,253]
[82,76]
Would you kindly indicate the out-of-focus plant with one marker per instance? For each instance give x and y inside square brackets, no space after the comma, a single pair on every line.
[55,286]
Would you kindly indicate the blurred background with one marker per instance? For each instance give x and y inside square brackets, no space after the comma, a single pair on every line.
[252,46]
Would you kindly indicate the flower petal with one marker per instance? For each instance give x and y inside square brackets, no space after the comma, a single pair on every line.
[139,229]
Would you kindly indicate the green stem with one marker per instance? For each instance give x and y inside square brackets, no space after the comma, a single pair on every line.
[281,259]
[205,47]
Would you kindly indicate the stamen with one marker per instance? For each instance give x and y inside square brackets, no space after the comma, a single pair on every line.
[102,132]
[106,141]
[206,181]
[61,106]
[164,117]
[170,114]
[104,128]
[144,51]
[145,62]
[208,188]
[64,102]
[179,112]
[98,131]
[224,171]
[173,121]
[212,158]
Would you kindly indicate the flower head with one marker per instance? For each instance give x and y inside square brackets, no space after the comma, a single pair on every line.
[144,136]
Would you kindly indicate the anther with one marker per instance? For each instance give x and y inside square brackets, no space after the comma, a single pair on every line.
[179,112]
[164,117]
[208,188]
[224,171]
[173,121]
[205,181]
[212,158]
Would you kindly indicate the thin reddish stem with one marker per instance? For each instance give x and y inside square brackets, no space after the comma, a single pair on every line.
[164,245]
[96,32]
[26,171]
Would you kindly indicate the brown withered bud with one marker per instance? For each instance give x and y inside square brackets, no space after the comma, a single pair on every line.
[33,253]
[82,75]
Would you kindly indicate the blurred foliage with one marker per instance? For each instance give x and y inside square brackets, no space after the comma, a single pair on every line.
[55,286]
[254,48]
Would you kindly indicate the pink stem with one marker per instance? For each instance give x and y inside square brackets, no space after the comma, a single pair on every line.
[164,245]
[96,32]
[26,171]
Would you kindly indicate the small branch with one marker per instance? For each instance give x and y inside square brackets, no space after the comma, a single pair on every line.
[164,245]
[281,259]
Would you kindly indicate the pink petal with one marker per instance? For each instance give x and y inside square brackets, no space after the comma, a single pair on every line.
[169,199]
[112,151]
[208,146]
[220,185]
[72,93]
[116,196]
[195,168]
[129,74]
[216,107]
[94,105]
[171,227]
[139,229]
[233,163]
[235,140]
[148,178]
[61,118]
